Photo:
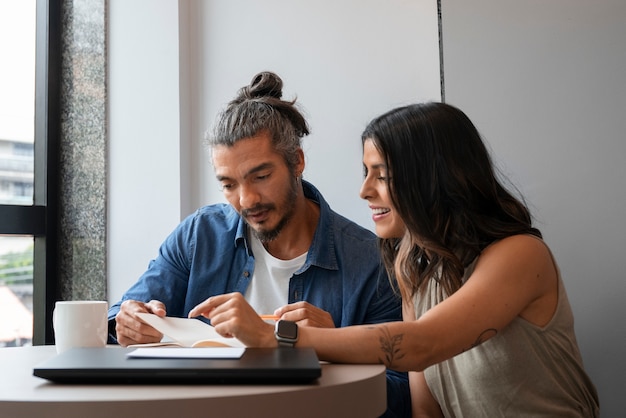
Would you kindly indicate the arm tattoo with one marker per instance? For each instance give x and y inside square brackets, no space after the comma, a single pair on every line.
[390,346]
[484,336]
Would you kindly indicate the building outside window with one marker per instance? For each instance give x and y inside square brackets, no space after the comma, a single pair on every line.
[17,127]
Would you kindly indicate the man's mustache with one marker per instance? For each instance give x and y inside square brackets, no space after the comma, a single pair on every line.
[258,208]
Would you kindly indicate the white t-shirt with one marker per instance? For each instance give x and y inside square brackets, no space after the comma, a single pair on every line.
[269,287]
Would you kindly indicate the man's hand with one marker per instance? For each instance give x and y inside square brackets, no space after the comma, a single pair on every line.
[306,315]
[232,316]
[130,329]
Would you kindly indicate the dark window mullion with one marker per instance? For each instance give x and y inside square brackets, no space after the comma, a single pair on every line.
[22,220]
[47,133]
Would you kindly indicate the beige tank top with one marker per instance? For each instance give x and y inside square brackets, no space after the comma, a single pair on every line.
[524,371]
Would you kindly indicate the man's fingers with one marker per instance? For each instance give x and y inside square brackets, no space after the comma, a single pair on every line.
[156,307]
[130,329]
[204,308]
[136,335]
[306,314]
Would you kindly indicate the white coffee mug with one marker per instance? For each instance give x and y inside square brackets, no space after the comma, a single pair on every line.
[80,323]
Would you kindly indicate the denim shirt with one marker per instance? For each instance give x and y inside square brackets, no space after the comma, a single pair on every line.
[209,254]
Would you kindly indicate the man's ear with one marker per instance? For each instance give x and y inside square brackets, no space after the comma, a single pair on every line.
[299,168]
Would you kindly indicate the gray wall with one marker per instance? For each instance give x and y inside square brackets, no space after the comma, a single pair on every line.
[545,82]
[346,61]
[146,130]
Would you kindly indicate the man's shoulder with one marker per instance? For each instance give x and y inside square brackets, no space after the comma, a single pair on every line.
[339,224]
[218,215]
[351,228]
[216,208]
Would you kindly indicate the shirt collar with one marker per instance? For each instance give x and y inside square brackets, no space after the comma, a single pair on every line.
[322,250]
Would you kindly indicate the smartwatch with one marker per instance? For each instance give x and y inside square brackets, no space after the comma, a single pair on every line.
[286,333]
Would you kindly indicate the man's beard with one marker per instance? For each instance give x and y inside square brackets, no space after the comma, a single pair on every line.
[289,205]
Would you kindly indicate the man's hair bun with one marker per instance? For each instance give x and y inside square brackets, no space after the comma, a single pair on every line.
[264,84]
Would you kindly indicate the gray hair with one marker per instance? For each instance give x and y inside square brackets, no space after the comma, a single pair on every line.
[258,108]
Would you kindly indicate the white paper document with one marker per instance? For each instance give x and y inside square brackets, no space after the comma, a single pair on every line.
[187,332]
[185,352]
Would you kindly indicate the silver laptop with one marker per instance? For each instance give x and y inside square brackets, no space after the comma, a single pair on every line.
[283,365]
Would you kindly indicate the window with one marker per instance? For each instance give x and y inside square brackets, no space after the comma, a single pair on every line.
[29,121]
[16,291]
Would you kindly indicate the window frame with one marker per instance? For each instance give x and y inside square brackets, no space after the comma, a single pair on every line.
[40,220]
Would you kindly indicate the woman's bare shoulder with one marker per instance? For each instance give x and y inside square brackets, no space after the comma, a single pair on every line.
[519,246]
[530,264]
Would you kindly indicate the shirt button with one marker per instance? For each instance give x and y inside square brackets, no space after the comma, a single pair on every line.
[246,273]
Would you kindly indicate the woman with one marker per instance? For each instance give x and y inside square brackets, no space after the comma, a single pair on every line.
[487,330]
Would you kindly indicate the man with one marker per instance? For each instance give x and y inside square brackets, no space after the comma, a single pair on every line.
[277,242]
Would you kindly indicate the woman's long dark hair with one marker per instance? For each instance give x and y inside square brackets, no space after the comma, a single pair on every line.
[443,185]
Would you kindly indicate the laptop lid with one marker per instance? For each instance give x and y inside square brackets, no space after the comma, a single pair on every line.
[113,365]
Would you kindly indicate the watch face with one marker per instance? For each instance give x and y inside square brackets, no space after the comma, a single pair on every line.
[288,329]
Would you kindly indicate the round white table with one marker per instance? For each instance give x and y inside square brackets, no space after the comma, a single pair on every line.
[343,390]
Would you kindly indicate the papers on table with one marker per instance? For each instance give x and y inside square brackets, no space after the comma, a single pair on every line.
[184,352]
[188,332]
